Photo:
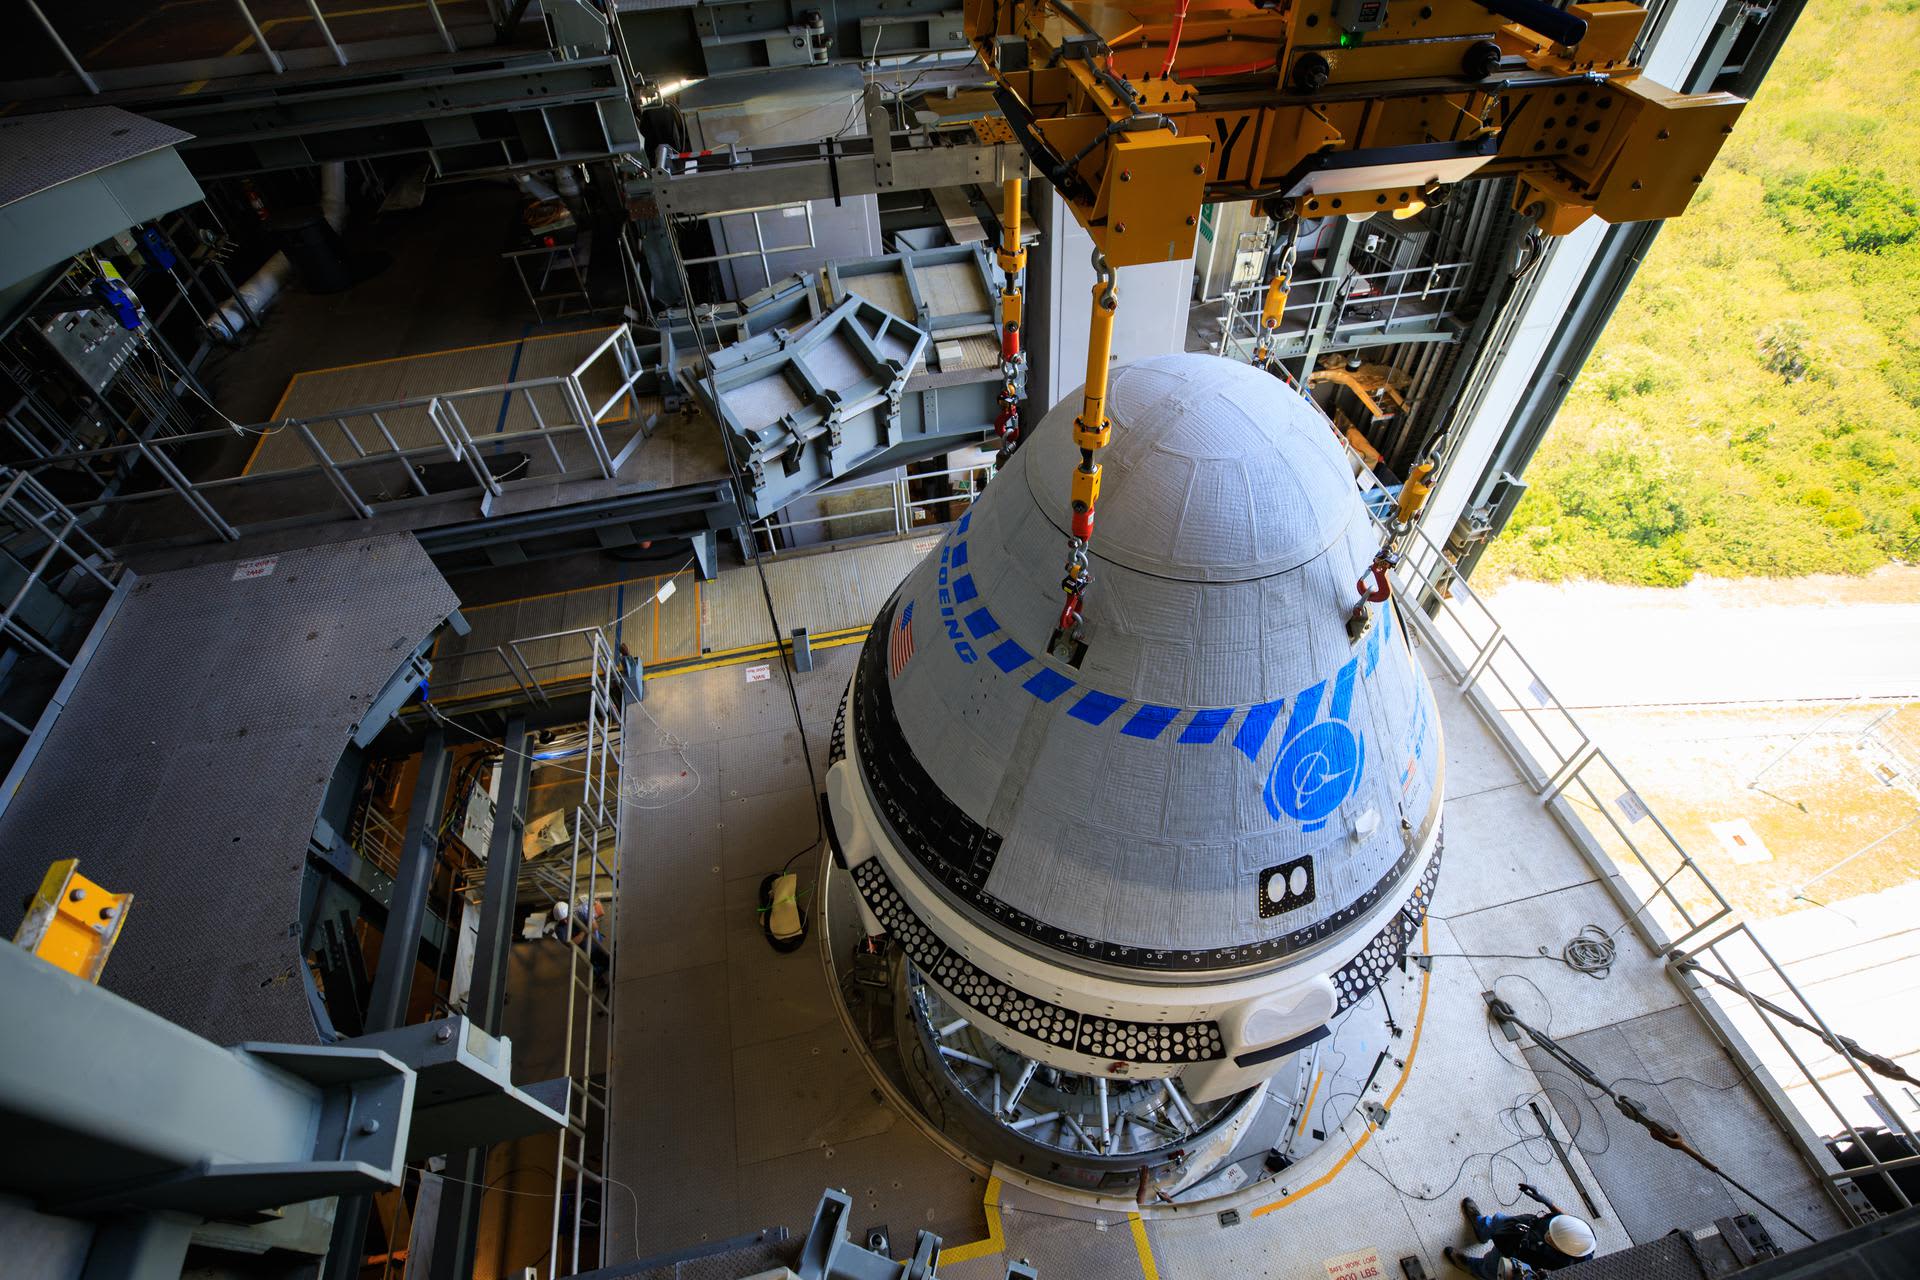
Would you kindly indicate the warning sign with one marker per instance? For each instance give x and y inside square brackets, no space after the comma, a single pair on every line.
[762,672]
[1361,1265]
[261,568]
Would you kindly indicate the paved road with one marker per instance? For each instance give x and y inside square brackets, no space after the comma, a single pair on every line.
[1602,646]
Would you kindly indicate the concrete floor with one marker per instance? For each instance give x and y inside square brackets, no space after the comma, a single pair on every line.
[736,1098]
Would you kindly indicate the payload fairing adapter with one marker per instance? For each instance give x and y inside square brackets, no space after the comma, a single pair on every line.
[1128,878]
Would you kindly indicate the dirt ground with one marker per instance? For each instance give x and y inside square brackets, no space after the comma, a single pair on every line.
[1816,783]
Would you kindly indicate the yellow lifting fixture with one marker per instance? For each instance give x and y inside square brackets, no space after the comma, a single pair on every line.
[1013,261]
[71,922]
[1141,111]
[1091,431]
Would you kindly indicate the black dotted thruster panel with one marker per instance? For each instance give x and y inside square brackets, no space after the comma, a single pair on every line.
[1365,971]
[837,744]
[1046,1022]
[1150,1041]
[901,924]
[1288,899]
[1026,1014]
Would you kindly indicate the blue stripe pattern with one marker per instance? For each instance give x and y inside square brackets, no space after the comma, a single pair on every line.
[1047,684]
[1095,707]
[1150,721]
[1009,656]
[1206,726]
[1255,728]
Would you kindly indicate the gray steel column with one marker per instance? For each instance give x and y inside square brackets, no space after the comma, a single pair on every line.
[1329,305]
[407,912]
[150,1246]
[453,1236]
[399,951]
[488,993]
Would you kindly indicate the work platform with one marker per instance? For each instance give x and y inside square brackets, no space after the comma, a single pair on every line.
[738,1095]
[203,737]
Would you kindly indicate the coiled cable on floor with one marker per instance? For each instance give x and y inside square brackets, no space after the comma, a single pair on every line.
[1590,951]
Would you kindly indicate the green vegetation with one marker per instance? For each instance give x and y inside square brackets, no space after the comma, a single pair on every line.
[1754,406]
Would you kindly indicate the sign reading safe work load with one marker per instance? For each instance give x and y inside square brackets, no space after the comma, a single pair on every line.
[1362,1264]
[261,568]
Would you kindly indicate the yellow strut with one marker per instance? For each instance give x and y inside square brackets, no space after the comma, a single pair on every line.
[1091,430]
[1270,313]
[1413,494]
[1013,256]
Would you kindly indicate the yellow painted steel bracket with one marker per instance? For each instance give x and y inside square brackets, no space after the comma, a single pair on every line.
[1284,104]
[71,922]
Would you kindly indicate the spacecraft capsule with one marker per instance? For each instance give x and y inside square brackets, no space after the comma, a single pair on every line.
[1173,848]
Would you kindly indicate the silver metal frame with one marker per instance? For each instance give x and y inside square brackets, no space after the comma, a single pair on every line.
[27,504]
[899,504]
[1240,323]
[760,249]
[593,870]
[339,452]
[1667,897]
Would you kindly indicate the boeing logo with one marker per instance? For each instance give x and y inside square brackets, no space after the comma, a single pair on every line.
[1320,761]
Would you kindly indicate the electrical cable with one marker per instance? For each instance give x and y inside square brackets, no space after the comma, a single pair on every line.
[637,793]
[544,1195]
[186,380]
[751,547]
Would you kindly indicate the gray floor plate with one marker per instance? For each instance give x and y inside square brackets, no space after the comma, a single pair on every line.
[737,1095]
[190,764]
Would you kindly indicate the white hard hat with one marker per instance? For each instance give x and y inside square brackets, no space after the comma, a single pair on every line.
[1570,1235]
[559,911]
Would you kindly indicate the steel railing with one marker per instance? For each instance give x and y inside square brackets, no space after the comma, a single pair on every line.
[584,1145]
[356,452]
[1360,303]
[52,553]
[898,507]
[1671,903]
[583,872]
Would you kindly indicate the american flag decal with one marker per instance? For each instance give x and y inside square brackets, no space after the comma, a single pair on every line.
[900,643]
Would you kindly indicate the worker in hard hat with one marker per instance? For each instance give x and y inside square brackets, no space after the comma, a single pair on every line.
[1534,1241]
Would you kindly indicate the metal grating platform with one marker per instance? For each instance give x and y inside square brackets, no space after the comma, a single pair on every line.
[190,764]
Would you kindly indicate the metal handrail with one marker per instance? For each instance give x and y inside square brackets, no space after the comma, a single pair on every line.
[31,509]
[455,442]
[899,505]
[1445,611]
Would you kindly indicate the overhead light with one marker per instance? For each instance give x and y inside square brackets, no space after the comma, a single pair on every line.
[1411,210]
[672,87]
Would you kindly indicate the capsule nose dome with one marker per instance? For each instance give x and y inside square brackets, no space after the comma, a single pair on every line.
[1217,472]
[1225,777]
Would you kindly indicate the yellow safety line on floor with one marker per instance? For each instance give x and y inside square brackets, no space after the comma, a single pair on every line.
[1419,1021]
[678,666]
[1142,1247]
[1307,1110]
[995,1241]
[454,351]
